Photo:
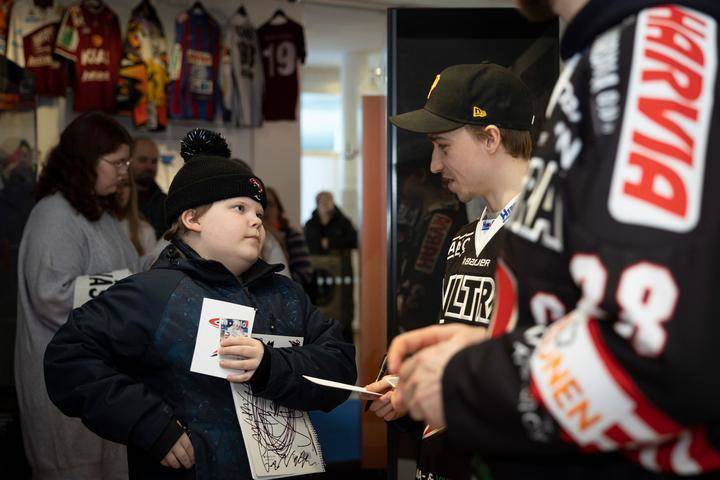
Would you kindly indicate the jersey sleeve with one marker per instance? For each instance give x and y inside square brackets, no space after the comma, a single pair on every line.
[300,43]
[68,38]
[616,331]
[15,50]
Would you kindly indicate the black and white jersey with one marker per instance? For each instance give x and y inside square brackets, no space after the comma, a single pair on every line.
[609,265]
[468,285]
[468,297]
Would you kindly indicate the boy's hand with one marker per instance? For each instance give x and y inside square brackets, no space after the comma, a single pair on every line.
[249,349]
[389,406]
[181,455]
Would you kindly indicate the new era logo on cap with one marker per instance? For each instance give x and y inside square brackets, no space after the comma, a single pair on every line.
[479,112]
[471,94]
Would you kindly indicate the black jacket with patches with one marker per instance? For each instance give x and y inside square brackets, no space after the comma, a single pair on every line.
[122,362]
[613,247]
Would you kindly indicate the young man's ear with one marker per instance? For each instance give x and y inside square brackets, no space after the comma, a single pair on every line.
[189,218]
[493,138]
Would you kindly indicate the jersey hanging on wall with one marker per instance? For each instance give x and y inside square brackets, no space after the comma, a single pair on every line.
[241,76]
[30,44]
[5,6]
[194,64]
[90,37]
[281,46]
[142,88]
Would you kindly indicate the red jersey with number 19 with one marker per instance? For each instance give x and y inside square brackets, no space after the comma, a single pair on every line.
[281,47]
[91,39]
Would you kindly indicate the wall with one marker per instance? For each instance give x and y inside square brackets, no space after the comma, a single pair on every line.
[273,150]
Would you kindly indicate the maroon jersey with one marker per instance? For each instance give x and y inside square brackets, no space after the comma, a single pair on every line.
[31,39]
[282,46]
[91,39]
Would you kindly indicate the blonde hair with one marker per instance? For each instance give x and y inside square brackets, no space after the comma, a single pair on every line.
[517,143]
[178,229]
[131,212]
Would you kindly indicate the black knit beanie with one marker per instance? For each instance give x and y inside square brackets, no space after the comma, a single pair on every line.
[209,175]
[207,178]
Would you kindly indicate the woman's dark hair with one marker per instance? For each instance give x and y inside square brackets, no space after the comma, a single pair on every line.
[70,167]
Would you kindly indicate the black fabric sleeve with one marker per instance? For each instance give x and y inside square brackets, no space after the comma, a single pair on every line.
[324,354]
[348,237]
[481,391]
[92,363]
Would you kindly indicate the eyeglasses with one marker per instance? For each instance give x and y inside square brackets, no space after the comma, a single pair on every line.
[118,164]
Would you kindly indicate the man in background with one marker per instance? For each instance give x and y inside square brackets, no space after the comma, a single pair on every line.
[151,199]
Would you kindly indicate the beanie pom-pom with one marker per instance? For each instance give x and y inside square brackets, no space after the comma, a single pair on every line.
[201,141]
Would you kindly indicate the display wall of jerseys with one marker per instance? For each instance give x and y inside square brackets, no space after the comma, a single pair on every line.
[247,75]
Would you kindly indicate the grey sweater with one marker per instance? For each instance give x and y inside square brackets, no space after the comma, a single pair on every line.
[59,245]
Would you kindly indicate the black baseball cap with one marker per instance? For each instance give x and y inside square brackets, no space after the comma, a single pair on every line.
[471,94]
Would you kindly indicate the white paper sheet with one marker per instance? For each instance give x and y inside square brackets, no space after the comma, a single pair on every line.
[205,357]
[279,441]
[88,287]
[341,386]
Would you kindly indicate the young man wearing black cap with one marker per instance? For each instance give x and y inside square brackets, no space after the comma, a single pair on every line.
[609,265]
[478,117]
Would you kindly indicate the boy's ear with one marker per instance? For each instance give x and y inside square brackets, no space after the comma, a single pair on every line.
[493,139]
[189,219]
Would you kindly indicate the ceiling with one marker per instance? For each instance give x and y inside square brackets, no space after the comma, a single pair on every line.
[335,27]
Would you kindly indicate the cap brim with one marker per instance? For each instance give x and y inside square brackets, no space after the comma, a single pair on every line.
[424,121]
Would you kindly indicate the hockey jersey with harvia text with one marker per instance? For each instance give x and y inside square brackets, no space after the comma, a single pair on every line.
[609,263]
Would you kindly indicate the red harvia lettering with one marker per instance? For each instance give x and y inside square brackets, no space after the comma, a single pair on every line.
[652,171]
[674,38]
[659,110]
[680,17]
[691,79]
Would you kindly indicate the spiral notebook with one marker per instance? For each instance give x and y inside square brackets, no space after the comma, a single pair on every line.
[280,442]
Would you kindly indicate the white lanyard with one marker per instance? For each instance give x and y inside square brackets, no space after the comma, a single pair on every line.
[486,229]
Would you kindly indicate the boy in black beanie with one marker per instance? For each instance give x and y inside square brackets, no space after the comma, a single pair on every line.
[122,361]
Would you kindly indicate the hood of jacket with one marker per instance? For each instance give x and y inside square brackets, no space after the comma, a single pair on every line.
[598,16]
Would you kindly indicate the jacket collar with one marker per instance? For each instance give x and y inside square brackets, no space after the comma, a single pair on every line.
[180,256]
[598,16]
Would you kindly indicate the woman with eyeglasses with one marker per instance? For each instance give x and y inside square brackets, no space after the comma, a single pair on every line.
[72,249]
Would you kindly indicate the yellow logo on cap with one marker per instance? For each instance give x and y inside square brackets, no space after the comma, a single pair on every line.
[437,79]
[479,112]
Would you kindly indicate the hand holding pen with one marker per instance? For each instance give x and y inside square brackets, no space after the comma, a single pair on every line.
[388,406]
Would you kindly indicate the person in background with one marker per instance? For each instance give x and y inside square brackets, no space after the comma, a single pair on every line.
[71,248]
[151,199]
[329,232]
[291,240]
[329,229]
[140,232]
